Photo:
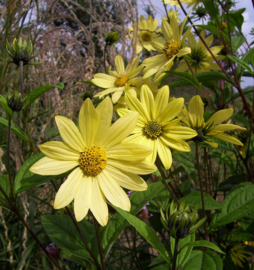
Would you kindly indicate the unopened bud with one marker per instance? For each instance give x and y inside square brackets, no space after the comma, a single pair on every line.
[112,38]
[14,101]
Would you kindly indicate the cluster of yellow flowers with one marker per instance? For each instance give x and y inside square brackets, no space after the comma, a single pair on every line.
[102,157]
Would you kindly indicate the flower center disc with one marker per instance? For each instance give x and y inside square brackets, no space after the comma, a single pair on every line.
[152,129]
[93,160]
[146,36]
[170,49]
[121,80]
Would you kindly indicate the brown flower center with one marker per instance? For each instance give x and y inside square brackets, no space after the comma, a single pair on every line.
[146,36]
[152,129]
[93,160]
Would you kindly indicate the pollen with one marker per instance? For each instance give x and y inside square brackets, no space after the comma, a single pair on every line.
[170,49]
[152,129]
[121,80]
[146,36]
[93,160]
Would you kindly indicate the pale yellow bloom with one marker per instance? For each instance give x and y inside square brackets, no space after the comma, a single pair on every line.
[157,127]
[238,254]
[173,46]
[147,31]
[170,14]
[119,81]
[99,164]
[212,128]
[190,3]
[200,58]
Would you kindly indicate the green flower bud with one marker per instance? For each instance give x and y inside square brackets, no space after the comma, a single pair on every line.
[200,12]
[180,222]
[112,38]
[14,101]
[21,51]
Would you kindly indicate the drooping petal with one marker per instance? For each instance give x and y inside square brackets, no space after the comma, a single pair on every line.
[49,166]
[98,205]
[59,151]
[112,191]
[142,167]
[88,122]
[171,111]
[120,130]
[70,133]
[105,112]
[83,198]
[128,151]
[196,111]
[127,180]
[220,117]
[224,127]
[228,138]
[164,154]
[68,190]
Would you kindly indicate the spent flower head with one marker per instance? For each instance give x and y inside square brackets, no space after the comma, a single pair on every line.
[212,128]
[20,51]
[99,165]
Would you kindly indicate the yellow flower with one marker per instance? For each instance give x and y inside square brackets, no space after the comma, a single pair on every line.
[157,126]
[200,59]
[172,2]
[193,117]
[238,254]
[100,164]
[189,2]
[119,81]
[172,47]
[172,13]
[146,33]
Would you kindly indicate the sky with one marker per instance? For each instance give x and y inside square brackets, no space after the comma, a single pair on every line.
[246,28]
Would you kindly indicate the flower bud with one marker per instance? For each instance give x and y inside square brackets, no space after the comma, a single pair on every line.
[180,222]
[112,38]
[14,101]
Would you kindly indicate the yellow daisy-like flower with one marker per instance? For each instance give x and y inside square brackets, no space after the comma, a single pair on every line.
[119,81]
[172,13]
[146,33]
[238,254]
[189,2]
[193,117]
[100,164]
[200,58]
[157,126]
[171,2]
[172,47]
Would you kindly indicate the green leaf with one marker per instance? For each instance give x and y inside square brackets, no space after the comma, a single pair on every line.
[32,96]
[237,204]
[212,11]
[247,59]
[203,243]
[63,233]
[194,201]
[5,106]
[236,95]
[4,183]
[146,232]
[236,18]
[188,77]
[184,252]
[199,260]
[25,179]
[239,62]
[237,42]
[15,129]
[117,222]
[240,119]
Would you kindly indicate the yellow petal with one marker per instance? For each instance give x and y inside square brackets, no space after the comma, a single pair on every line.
[116,96]
[220,117]
[161,100]
[142,167]
[164,154]
[49,166]
[147,99]
[119,65]
[175,143]
[196,111]
[105,112]
[68,190]
[83,198]
[128,151]
[98,205]
[225,127]
[210,142]
[103,80]
[59,151]
[70,133]
[171,111]
[180,132]
[228,138]
[112,191]
[120,130]
[153,144]
[127,180]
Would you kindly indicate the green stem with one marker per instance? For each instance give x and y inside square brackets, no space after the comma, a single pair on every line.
[201,189]
[175,254]
[105,51]
[21,78]
[9,159]
[28,132]
[99,244]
